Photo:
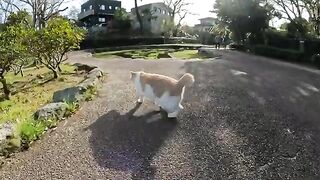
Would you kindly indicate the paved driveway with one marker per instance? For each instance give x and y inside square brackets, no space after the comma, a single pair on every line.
[246,117]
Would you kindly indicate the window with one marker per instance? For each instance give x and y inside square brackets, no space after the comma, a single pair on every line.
[110,7]
[116,7]
[102,7]
[90,7]
[102,19]
[84,9]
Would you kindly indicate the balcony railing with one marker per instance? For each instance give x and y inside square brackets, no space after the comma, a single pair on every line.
[86,14]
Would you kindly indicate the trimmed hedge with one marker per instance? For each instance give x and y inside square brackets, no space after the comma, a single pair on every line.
[312,47]
[129,41]
[315,60]
[238,47]
[273,52]
[281,40]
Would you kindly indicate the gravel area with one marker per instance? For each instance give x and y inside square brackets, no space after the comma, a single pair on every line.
[246,117]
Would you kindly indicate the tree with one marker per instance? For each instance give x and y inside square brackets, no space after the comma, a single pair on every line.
[243,18]
[42,10]
[138,16]
[7,7]
[294,10]
[73,13]
[13,49]
[20,17]
[122,19]
[54,41]
[313,9]
[299,27]
[291,9]
[177,8]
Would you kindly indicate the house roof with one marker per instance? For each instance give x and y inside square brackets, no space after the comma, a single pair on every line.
[208,18]
[152,4]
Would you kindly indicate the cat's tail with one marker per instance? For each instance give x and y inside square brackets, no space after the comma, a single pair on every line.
[186,80]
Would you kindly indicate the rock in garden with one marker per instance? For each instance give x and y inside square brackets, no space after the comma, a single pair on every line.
[72,94]
[90,83]
[95,73]
[84,67]
[52,111]
[6,132]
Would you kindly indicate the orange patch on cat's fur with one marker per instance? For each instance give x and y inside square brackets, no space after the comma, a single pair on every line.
[161,83]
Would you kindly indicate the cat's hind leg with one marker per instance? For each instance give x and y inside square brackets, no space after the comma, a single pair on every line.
[156,103]
[140,99]
[174,114]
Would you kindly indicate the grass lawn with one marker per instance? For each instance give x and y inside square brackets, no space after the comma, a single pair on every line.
[187,54]
[151,54]
[32,91]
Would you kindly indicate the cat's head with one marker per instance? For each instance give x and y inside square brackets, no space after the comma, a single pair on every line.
[133,75]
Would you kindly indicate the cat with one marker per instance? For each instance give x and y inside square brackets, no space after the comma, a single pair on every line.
[165,92]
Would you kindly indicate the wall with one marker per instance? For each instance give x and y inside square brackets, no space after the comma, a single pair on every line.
[155,25]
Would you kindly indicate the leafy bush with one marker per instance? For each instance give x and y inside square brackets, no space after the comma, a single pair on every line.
[13,50]
[312,47]
[54,41]
[71,109]
[238,47]
[31,130]
[90,93]
[280,39]
[287,54]
[316,60]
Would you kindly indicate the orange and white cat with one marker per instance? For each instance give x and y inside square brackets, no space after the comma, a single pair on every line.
[165,92]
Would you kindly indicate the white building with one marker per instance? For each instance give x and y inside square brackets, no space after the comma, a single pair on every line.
[206,24]
[155,16]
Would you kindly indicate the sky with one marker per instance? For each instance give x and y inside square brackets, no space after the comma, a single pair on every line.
[201,8]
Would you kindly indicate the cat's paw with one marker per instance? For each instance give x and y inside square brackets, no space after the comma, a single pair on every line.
[140,100]
[160,109]
[173,115]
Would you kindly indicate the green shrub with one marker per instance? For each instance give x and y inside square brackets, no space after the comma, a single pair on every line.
[71,108]
[90,93]
[316,60]
[280,39]
[312,47]
[31,130]
[286,54]
[238,47]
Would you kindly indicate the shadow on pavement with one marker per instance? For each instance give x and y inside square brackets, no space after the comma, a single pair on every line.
[129,143]
[277,139]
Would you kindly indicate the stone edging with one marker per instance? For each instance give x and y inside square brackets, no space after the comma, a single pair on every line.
[58,108]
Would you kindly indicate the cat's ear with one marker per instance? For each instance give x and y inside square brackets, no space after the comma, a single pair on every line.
[132,74]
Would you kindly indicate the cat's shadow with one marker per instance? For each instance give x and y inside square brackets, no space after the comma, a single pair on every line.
[128,143]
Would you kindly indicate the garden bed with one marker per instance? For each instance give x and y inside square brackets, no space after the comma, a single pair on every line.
[38,102]
[33,90]
[151,54]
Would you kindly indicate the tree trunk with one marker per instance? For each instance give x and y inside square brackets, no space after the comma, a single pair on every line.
[55,73]
[6,90]
[138,16]
[59,69]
